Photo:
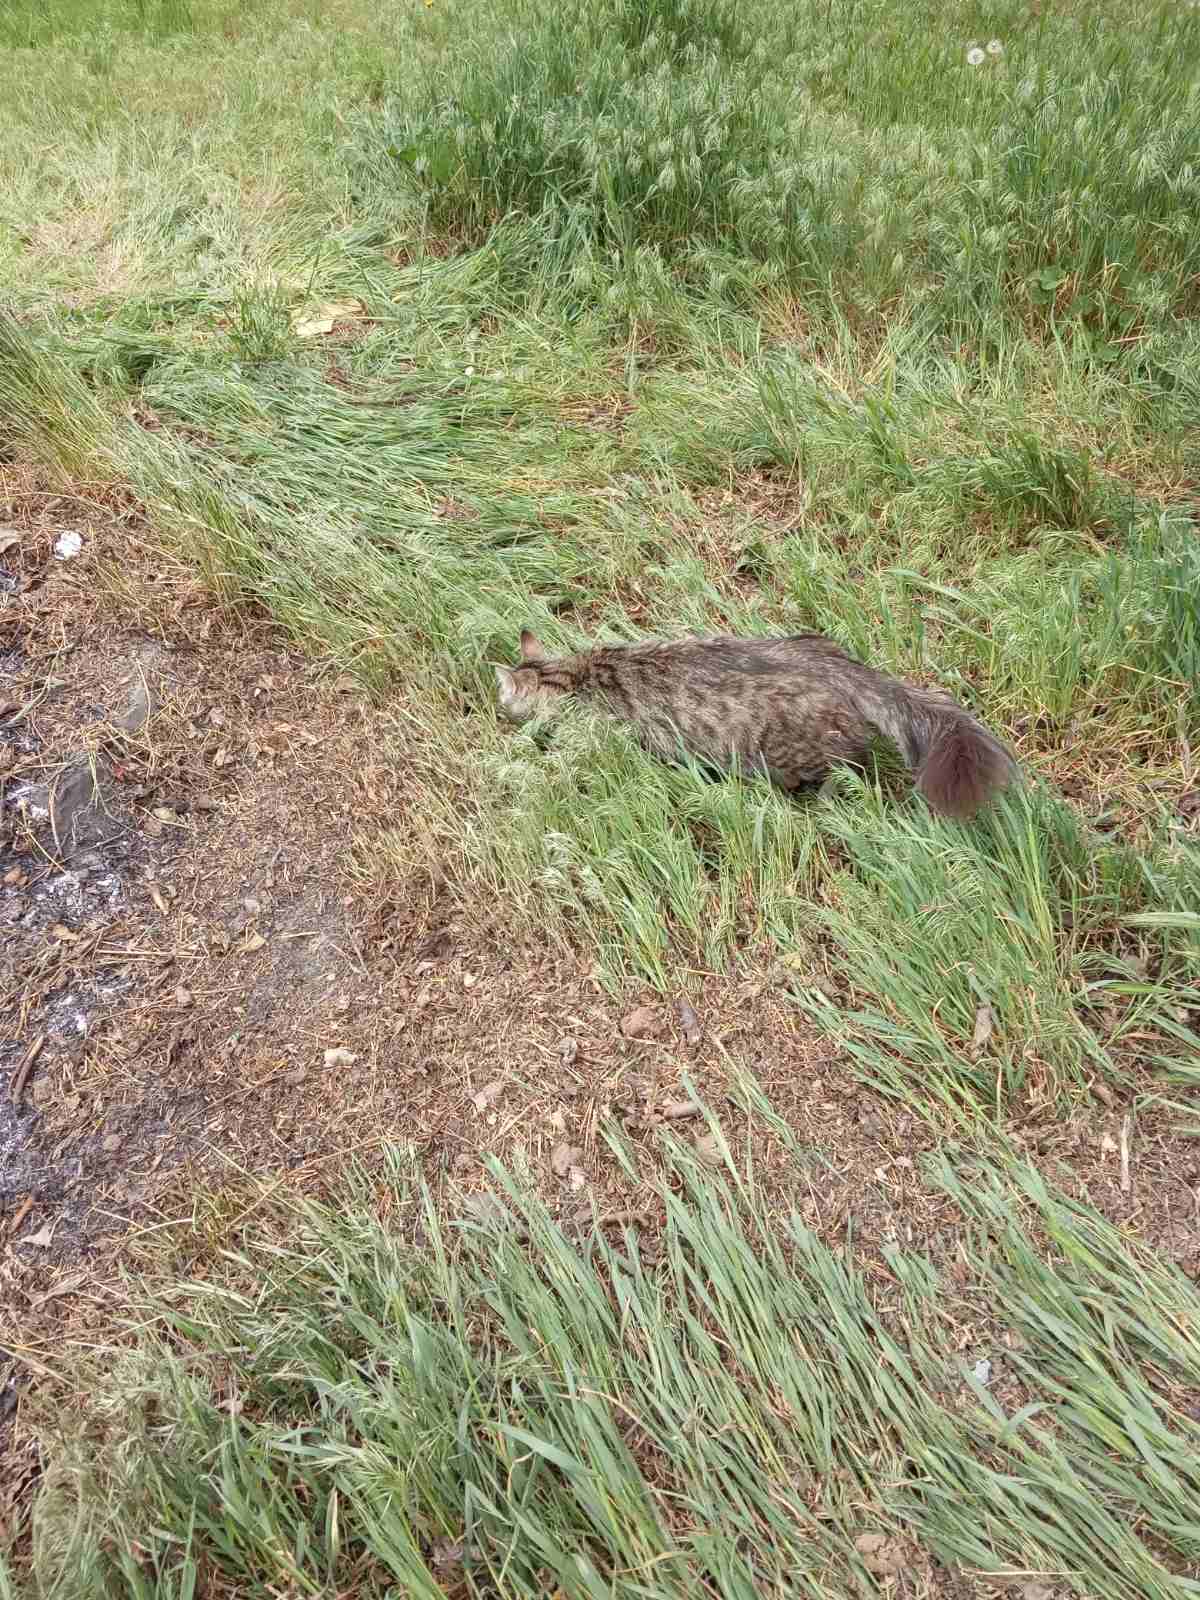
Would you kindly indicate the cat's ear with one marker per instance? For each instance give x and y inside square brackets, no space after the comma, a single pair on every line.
[531,646]
[506,679]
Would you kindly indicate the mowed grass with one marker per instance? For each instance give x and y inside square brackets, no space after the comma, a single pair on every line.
[320,1409]
[417,325]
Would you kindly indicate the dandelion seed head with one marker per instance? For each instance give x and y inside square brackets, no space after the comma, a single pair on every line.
[975,56]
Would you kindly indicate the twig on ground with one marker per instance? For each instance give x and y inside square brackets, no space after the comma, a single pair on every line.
[20,1077]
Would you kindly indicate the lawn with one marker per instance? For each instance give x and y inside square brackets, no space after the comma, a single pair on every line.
[413,325]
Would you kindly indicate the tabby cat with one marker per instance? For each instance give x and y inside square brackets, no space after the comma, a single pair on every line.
[790,708]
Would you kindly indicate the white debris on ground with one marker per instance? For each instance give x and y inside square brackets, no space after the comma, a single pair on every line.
[68,545]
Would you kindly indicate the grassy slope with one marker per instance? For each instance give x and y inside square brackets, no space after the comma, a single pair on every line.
[782,358]
[666,316]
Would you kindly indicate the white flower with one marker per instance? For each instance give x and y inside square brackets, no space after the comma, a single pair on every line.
[995,48]
[975,56]
[470,372]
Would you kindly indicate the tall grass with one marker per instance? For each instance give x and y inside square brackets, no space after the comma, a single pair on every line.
[694,867]
[1027,914]
[567,1414]
[98,28]
[1058,178]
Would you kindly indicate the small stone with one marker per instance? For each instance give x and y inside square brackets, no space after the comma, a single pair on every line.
[880,1555]
[138,709]
[488,1095]
[79,816]
[708,1150]
[563,1157]
[642,1023]
[690,1023]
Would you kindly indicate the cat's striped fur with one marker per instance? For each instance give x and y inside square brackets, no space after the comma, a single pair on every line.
[790,708]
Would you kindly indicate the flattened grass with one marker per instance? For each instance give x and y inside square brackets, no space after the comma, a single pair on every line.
[520,1412]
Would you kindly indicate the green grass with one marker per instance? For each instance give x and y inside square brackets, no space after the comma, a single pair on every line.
[1028,914]
[691,124]
[26,26]
[743,1414]
[673,314]
[666,315]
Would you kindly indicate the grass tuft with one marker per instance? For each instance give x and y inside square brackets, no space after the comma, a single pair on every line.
[1026,913]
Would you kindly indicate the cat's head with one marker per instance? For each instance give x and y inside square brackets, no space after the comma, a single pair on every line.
[522,691]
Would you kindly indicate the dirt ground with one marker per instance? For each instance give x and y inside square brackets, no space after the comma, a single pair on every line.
[208,972]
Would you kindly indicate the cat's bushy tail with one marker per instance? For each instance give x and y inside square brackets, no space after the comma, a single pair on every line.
[956,763]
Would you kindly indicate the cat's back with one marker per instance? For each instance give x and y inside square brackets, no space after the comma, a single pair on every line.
[708,660]
[772,704]
[721,689]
